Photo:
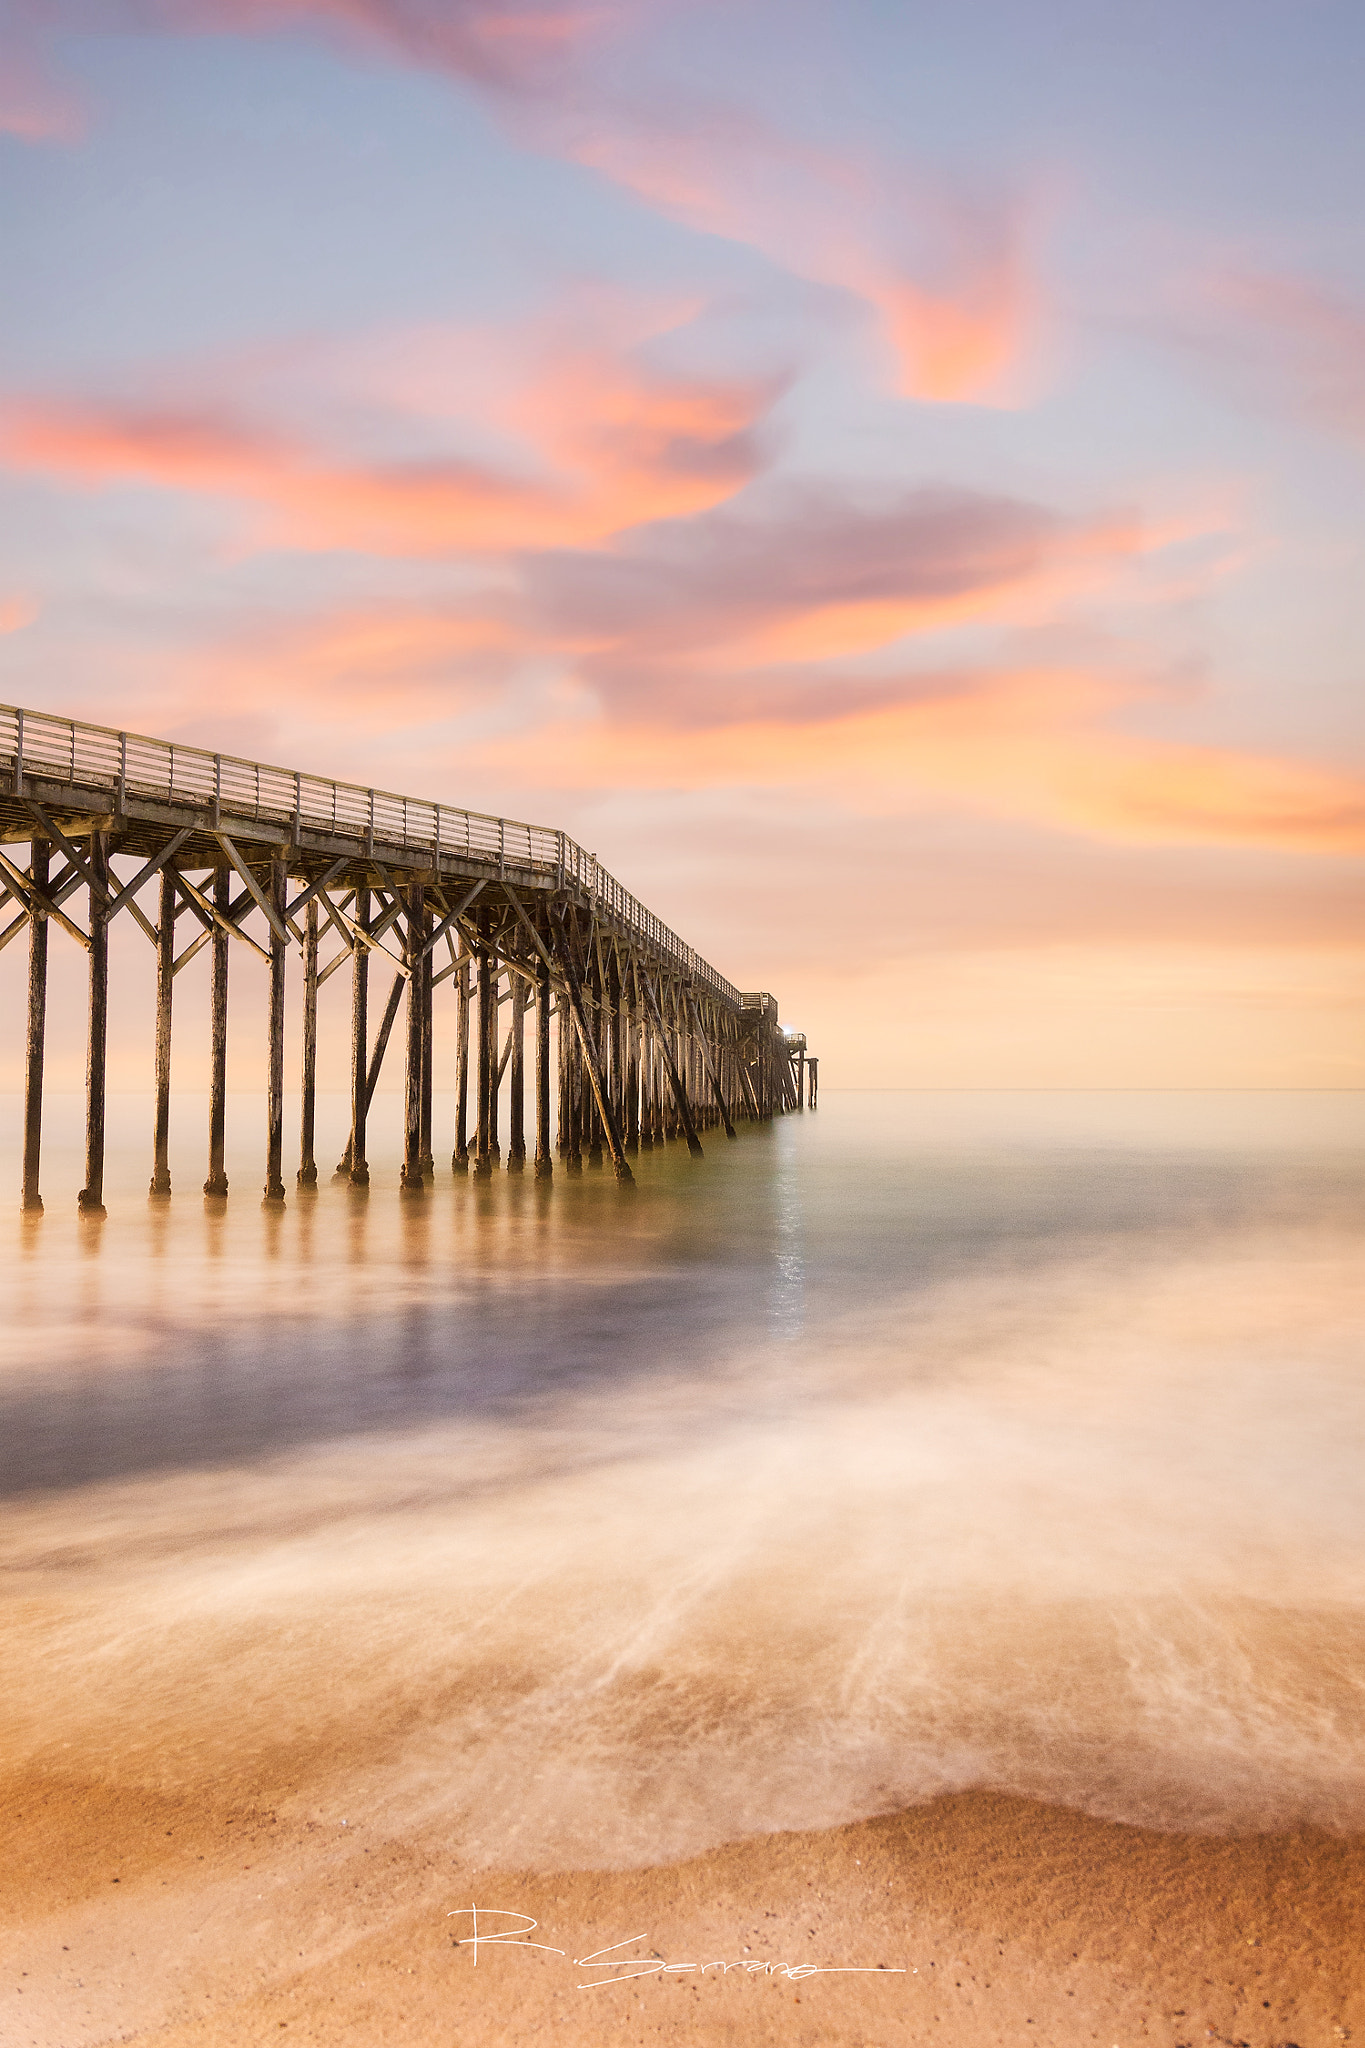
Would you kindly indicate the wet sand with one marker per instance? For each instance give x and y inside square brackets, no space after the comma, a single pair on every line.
[134,1917]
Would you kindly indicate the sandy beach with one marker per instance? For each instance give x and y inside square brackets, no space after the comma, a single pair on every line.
[939,1652]
[977,1918]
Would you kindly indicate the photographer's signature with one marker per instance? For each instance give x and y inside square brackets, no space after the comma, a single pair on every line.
[617,1969]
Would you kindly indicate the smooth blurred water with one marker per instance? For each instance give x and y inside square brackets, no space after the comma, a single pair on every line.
[929,1440]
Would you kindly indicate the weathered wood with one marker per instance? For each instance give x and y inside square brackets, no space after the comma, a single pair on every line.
[646,1074]
[274,1109]
[428,1035]
[459,1162]
[574,991]
[516,1137]
[165,984]
[671,1067]
[216,1184]
[712,1073]
[377,1051]
[90,1200]
[631,1036]
[544,1157]
[40,855]
[497,1065]
[487,1025]
[356,1167]
[412,1180]
[593,1004]
[308,1165]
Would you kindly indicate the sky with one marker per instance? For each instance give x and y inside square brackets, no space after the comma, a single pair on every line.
[888,478]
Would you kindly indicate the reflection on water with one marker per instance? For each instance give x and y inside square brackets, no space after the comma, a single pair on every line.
[927,1441]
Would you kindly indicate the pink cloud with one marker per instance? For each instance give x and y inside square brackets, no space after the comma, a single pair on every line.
[688,620]
[609,442]
[947,273]
[1295,341]
[34,107]
[498,44]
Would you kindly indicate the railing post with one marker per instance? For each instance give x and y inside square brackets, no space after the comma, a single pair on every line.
[120,794]
[19,753]
[217,789]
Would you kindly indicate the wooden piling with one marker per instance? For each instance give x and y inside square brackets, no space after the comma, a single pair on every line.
[495,1068]
[357,1167]
[274,1113]
[592,1002]
[459,1158]
[631,1066]
[516,1134]
[675,1078]
[544,1157]
[427,971]
[412,1180]
[487,1027]
[165,982]
[40,856]
[216,1184]
[308,1165]
[620,1163]
[90,1200]
[712,1071]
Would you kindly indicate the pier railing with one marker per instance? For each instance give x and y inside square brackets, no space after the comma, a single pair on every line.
[96,757]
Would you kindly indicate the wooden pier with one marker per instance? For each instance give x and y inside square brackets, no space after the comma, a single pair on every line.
[635,1040]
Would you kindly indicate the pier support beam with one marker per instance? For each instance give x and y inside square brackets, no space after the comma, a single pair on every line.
[357,1167]
[40,855]
[516,1135]
[90,1200]
[544,1158]
[712,1071]
[630,1035]
[413,1180]
[496,1066]
[459,1159]
[308,1165]
[487,1062]
[426,971]
[620,1163]
[274,1108]
[216,1184]
[675,1078]
[165,982]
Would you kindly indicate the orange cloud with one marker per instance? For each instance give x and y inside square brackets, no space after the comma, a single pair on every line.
[16,613]
[620,444]
[945,273]
[678,620]
[1031,745]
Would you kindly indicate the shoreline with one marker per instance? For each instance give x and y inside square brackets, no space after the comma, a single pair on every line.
[150,1919]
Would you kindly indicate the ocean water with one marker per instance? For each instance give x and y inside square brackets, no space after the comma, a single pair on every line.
[929,1441]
